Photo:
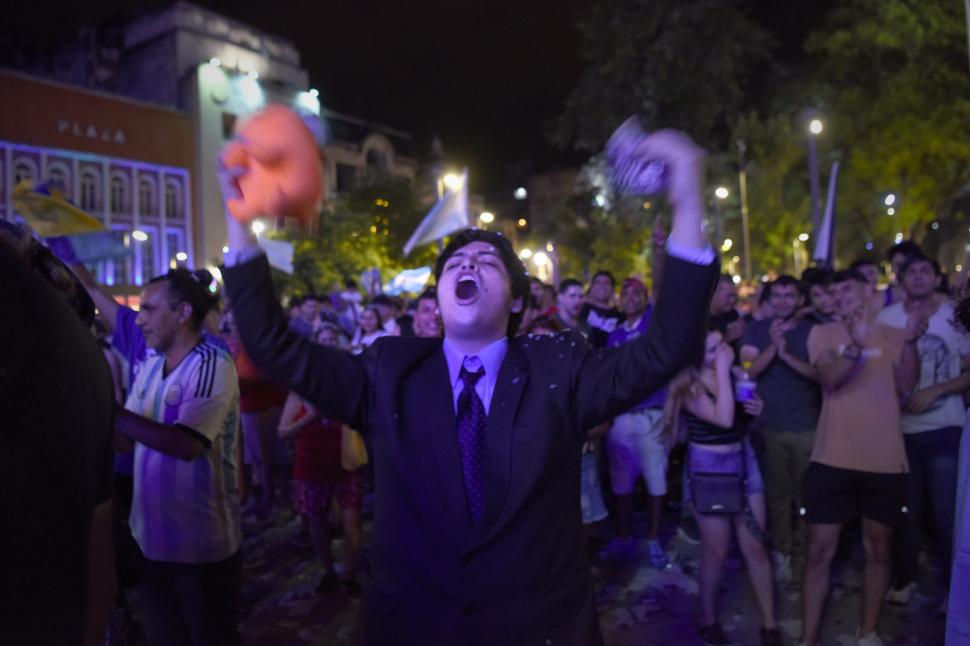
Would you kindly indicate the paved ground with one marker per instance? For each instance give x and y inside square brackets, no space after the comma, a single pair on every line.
[638,606]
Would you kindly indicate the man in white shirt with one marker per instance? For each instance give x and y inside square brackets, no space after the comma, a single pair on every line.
[932,420]
[183,414]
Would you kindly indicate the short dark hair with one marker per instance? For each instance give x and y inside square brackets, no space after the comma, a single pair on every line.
[547,322]
[917,258]
[518,277]
[383,299]
[781,281]
[817,276]
[846,275]
[567,283]
[430,292]
[905,247]
[190,287]
[862,262]
[603,272]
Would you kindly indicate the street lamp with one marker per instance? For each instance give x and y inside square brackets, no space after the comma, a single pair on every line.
[523,223]
[803,237]
[258,227]
[525,254]
[720,193]
[520,193]
[486,217]
[814,129]
[452,181]
[890,199]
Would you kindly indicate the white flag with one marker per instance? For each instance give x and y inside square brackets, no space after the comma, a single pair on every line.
[825,238]
[279,253]
[449,214]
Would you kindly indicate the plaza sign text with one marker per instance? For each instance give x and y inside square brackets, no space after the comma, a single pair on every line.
[90,131]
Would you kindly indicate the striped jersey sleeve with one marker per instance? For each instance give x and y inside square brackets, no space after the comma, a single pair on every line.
[210,389]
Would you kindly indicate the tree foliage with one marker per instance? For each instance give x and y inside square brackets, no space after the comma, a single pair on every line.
[362,230]
[683,64]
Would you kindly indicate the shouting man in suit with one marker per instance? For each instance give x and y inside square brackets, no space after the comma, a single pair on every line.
[476,438]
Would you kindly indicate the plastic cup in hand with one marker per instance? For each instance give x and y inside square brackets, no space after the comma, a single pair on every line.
[744,390]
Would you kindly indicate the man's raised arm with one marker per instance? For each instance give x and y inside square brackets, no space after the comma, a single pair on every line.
[610,382]
[334,381]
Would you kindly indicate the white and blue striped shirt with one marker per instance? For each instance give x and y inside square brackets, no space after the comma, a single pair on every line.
[188,512]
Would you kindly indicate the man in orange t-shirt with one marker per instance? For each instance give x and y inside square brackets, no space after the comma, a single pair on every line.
[858,465]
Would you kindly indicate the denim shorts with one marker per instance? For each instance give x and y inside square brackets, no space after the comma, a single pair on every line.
[703,460]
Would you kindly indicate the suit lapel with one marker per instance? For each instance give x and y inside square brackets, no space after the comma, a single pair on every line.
[509,386]
[436,405]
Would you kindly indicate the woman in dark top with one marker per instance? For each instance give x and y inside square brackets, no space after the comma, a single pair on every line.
[701,406]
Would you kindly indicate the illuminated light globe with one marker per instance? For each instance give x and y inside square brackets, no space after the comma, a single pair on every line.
[815,127]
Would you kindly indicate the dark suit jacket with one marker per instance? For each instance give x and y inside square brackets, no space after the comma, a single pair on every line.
[520,576]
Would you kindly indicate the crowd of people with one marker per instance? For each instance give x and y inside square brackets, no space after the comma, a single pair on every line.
[820,401]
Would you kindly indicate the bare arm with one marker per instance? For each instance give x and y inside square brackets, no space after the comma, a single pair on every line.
[803,368]
[102,582]
[759,360]
[170,439]
[834,369]
[290,422]
[102,300]
[906,371]
[719,410]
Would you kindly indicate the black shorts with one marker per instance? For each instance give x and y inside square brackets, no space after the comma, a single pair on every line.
[833,495]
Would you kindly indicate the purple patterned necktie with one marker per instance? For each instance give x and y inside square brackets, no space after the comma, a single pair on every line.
[471,439]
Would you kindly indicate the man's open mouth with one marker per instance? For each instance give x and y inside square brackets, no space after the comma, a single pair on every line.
[466,290]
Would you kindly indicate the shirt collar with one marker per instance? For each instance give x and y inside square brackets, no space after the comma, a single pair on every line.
[491,357]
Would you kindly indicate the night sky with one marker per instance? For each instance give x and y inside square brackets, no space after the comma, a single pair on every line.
[485,76]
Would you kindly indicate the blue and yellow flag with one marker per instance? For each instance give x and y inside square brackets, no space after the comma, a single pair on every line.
[49,213]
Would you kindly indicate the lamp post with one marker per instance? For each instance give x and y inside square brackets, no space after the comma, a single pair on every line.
[743,182]
[720,194]
[814,130]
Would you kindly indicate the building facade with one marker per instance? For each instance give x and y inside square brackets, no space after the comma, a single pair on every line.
[207,72]
[106,154]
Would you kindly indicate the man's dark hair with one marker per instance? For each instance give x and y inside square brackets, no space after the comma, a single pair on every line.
[603,272]
[185,286]
[817,276]
[785,279]
[917,258]
[350,283]
[859,263]
[846,275]
[430,292]
[518,277]
[535,280]
[567,283]
[383,299]
[905,247]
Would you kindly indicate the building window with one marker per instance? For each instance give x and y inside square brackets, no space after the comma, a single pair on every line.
[146,251]
[24,169]
[175,239]
[377,164]
[346,177]
[57,177]
[89,190]
[119,194]
[173,199]
[146,197]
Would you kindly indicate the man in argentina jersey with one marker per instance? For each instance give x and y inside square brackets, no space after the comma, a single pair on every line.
[183,413]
